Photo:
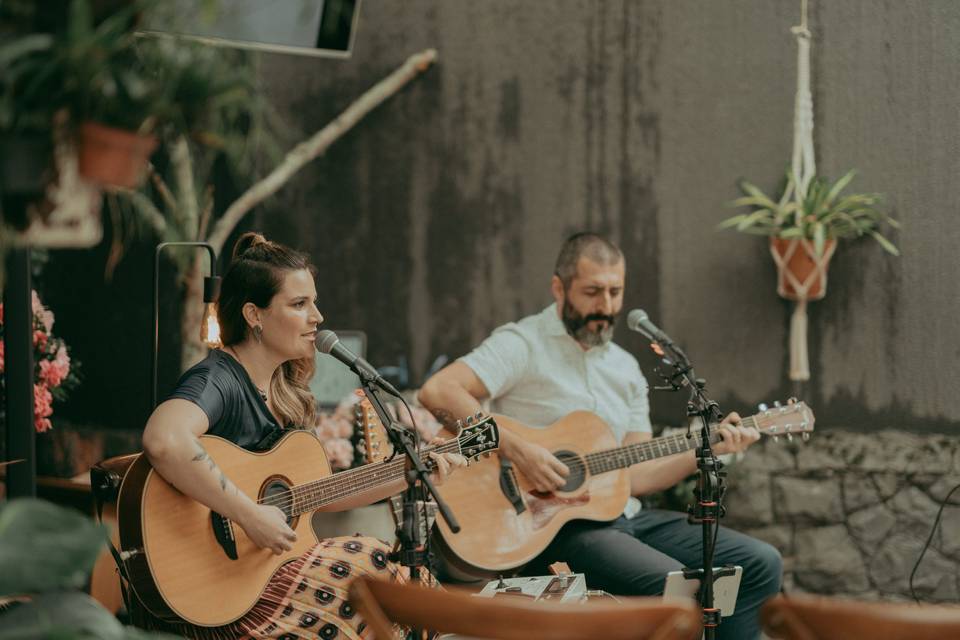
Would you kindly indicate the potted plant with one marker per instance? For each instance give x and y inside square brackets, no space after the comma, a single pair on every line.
[25,140]
[119,92]
[804,231]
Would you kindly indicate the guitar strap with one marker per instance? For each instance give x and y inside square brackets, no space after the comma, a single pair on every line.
[269,439]
[508,485]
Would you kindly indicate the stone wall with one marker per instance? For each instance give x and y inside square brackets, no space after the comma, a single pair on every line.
[851,512]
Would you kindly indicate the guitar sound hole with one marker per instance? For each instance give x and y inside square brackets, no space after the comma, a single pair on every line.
[577,467]
[278,493]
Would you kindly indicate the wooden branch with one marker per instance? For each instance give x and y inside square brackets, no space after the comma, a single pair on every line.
[183,171]
[145,207]
[317,144]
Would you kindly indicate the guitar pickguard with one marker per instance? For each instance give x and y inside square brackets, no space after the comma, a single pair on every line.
[544,506]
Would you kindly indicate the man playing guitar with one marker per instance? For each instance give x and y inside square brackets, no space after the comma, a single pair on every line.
[562,360]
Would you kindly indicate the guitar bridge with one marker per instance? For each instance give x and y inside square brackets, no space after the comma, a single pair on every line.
[223,532]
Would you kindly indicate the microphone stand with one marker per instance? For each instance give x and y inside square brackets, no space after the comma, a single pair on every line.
[411,533]
[707,509]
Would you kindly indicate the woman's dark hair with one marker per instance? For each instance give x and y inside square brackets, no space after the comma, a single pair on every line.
[256,273]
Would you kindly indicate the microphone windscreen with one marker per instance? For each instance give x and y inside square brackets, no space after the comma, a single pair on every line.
[325,340]
[636,318]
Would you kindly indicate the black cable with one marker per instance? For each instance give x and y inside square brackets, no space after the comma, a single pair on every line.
[929,540]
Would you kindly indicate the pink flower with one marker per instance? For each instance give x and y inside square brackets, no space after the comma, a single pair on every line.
[1,354]
[35,302]
[42,399]
[339,453]
[39,339]
[63,358]
[345,408]
[1,313]
[47,317]
[53,373]
[427,425]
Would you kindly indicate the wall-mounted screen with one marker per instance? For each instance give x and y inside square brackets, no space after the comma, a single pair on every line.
[305,27]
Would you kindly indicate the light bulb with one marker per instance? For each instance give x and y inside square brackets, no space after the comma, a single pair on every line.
[210,326]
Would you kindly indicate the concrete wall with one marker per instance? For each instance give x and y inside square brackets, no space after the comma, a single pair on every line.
[439,216]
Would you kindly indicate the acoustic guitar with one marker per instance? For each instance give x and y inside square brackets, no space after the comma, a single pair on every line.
[505,522]
[186,562]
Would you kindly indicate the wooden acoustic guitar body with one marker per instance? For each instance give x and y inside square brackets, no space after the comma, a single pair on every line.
[183,571]
[494,538]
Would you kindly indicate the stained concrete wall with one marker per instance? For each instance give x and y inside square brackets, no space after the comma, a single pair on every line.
[439,216]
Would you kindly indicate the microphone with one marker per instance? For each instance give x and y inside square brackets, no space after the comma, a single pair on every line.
[328,342]
[639,321]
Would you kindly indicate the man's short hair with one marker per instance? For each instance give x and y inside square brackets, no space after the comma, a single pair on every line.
[584,245]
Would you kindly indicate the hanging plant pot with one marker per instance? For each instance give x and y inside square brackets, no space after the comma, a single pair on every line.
[801,273]
[113,157]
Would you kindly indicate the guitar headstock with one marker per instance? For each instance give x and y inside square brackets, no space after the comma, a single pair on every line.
[793,418]
[372,442]
[479,435]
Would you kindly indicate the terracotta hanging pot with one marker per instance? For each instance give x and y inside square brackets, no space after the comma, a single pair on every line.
[801,273]
[113,157]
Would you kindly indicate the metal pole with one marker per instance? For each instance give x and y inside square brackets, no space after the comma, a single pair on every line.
[18,363]
[156,305]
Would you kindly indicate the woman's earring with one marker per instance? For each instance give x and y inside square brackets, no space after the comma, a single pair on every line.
[258,333]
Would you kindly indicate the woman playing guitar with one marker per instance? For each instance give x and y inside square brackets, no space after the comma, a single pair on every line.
[251,392]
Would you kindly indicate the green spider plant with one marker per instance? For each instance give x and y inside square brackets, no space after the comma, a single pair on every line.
[825,213]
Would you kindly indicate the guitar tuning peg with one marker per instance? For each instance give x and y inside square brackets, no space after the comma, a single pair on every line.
[776,403]
[790,437]
[776,438]
[762,406]
[478,415]
[806,436]
[469,421]
[792,400]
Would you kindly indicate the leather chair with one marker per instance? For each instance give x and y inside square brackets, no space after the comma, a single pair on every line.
[819,618]
[383,604]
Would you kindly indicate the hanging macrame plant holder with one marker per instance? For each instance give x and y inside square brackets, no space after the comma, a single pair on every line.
[801,277]
[801,272]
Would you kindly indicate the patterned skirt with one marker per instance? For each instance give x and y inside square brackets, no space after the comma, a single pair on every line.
[307,598]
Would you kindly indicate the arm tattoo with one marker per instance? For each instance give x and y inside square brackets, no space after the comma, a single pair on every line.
[445,418]
[202,456]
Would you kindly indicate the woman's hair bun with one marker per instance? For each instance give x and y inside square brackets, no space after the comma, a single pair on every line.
[248,241]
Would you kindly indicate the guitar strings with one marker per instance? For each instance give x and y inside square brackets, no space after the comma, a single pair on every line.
[345,482]
[317,495]
[342,483]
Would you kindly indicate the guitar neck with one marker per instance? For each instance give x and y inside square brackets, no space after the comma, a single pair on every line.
[319,493]
[620,457]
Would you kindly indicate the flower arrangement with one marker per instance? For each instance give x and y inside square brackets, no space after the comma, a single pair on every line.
[54,374]
[339,436]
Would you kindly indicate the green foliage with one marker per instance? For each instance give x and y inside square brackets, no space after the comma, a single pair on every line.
[48,552]
[44,547]
[823,214]
[102,71]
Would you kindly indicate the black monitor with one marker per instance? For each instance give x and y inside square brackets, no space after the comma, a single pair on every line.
[304,27]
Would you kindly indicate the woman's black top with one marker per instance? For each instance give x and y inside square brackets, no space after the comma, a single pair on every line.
[220,386]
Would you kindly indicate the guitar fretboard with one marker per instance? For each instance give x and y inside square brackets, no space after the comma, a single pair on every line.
[620,457]
[311,496]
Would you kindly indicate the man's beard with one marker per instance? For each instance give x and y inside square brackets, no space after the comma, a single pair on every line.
[577,326]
